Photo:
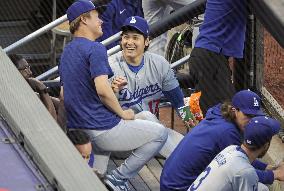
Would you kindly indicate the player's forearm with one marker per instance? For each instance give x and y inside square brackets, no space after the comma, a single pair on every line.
[46,100]
[112,104]
[107,96]
[265,177]
[175,96]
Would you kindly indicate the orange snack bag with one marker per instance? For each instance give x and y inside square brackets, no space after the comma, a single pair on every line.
[193,103]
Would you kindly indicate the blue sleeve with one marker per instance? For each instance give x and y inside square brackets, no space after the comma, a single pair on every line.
[140,10]
[92,160]
[259,165]
[265,177]
[229,137]
[99,61]
[175,96]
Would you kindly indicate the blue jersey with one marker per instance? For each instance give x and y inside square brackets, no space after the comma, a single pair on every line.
[83,60]
[224,26]
[197,149]
[116,13]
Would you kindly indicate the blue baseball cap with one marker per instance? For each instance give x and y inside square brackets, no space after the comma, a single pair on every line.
[138,23]
[260,130]
[80,7]
[248,102]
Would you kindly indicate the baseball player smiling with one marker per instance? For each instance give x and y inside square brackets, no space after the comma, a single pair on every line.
[141,78]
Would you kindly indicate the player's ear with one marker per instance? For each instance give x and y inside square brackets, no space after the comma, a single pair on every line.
[83,19]
[120,44]
[147,41]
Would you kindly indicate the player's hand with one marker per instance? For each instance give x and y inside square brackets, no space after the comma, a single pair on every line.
[187,117]
[118,83]
[190,123]
[279,172]
[128,114]
[36,85]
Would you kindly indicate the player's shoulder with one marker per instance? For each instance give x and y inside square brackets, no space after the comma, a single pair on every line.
[115,59]
[152,55]
[244,168]
[155,58]
[230,148]
[98,46]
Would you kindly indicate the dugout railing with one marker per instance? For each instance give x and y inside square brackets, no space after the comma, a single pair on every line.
[23,120]
[248,73]
[37,132]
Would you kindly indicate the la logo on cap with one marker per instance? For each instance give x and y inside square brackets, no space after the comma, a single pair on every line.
[133,20]
[255,102]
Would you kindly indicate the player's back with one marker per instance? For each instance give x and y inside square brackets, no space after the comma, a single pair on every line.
[230,170]
[197,149]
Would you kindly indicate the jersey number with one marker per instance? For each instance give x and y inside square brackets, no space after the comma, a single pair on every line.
[154,106]
[206,171]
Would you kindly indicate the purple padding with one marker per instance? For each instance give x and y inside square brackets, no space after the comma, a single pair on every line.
[15,173]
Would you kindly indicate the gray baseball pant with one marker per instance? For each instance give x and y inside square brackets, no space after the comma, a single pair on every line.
[144,138]
[173,137]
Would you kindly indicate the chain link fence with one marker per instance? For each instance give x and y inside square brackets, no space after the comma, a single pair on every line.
[273,68]
[20,18]
[44,52]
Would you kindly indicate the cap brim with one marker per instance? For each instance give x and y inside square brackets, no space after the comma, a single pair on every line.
[127,27]
[275,127]
[253,112]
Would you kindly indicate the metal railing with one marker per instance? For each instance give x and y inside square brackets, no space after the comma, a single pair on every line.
[36,34]
[56,82]
[178,17]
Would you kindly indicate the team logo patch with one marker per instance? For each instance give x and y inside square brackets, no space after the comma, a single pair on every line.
[255,102]
[133,20]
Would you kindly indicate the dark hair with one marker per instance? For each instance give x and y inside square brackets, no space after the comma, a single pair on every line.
[252,147]
[78,137]
[15,58]
[132,29]
[227,111]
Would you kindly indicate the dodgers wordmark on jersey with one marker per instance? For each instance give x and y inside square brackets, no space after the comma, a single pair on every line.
[144,89]
[230,170]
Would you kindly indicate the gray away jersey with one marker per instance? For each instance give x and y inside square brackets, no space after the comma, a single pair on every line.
[230,170]
[144,89]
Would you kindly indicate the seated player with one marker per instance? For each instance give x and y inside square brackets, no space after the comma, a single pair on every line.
[223,126]
[141,78]
[231,169]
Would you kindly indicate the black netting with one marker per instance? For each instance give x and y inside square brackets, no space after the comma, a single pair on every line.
[20,18]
